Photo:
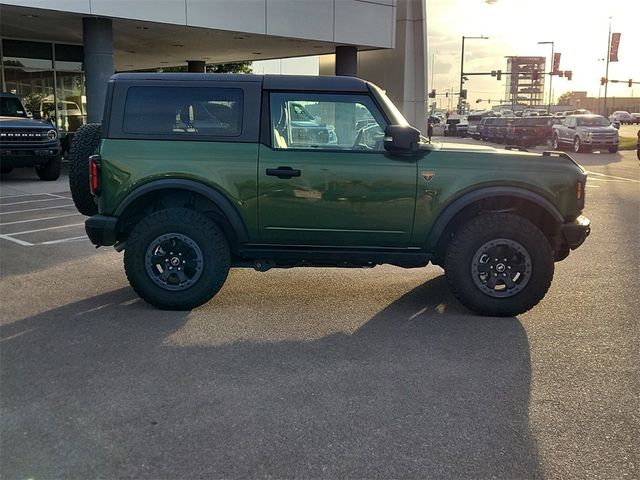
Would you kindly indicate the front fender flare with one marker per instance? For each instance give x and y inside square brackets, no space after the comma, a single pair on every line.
[481,194]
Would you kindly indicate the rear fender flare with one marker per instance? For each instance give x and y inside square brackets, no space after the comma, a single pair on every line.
[221,201]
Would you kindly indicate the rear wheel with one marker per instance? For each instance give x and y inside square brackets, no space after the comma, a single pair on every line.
[51,170]
[176,259]
[499,264]
[613,149]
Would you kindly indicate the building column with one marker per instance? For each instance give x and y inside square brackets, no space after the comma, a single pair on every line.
[402,70]
[196,66]
[97,34]
[347,61]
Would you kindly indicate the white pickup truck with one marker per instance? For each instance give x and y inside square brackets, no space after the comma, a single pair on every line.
[584,133]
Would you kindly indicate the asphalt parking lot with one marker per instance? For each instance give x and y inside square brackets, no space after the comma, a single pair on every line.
[316,373]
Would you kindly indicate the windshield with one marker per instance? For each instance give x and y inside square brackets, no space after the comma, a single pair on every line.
[11,107]
[390,109]
[593,122]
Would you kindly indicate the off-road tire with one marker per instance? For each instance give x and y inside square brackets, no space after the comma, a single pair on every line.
[210,241]
[476,233]
[50,171]
[85,143]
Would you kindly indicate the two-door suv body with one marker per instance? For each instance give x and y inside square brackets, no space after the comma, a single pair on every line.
[197,173]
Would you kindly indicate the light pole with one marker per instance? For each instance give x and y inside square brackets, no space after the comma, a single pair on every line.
[606,73]
[551,72]
[460,109]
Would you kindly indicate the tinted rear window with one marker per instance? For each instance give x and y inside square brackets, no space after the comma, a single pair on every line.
[183,111]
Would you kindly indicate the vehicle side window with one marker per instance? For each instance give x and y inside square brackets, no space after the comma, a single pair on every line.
[326,122]
[183,111]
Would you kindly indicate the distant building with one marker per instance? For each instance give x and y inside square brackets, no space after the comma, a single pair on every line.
[596,104]
[525,80]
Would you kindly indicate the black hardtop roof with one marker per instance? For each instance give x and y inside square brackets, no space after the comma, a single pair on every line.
[7,94]
[269,82]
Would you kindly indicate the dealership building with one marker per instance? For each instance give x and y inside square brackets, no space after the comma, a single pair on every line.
[59,54]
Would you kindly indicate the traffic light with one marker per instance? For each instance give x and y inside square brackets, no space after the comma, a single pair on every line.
[535,76]
[630,82]
[432,94]
[446,95]
[568,74]
[463,93]
[603,81]
[499,75]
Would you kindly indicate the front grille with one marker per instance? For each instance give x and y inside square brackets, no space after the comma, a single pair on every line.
[23,136]
[603,136]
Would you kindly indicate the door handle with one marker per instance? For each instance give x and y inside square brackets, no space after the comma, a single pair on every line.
[283,172]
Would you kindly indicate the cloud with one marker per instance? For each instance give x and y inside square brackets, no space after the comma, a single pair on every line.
[490,2]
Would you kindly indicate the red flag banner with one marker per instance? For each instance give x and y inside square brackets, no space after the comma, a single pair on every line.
[556,63]
[615,42]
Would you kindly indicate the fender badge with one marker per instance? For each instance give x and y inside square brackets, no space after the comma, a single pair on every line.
[427,175]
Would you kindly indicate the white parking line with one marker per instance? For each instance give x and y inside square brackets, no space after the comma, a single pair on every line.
[45,229]
[36,209]
[16,240]
[611,176]
[32,195]
[38,219]
[63,240]
[34,201]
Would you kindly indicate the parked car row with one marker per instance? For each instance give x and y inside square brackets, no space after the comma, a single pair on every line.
[524,131]
[581,132]
[625,117]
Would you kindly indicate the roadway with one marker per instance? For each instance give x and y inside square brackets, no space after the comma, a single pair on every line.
[327,373]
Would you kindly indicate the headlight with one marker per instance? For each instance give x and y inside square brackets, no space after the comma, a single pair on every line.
[52,134]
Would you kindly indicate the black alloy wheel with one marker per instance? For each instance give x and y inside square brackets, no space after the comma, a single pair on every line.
[174,261]
[501,268]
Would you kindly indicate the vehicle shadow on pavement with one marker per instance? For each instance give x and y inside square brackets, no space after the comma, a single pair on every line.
[421,390]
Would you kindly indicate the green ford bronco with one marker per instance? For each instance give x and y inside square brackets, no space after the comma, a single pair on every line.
[198,173]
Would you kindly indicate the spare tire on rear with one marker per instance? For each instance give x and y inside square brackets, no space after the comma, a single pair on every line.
[85,143]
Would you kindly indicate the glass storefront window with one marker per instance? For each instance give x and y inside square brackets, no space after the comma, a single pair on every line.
[27,55]
[68,57]
[33,87]
[71,100]
[49,79]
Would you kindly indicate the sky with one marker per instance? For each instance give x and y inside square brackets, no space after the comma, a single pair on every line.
[577,27]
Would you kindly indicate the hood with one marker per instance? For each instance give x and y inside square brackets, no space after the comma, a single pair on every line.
[20,122]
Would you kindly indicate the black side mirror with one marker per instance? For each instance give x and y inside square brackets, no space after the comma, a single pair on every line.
[401,138]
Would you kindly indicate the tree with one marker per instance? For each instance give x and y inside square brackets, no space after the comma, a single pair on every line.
[234,67]
[565,98]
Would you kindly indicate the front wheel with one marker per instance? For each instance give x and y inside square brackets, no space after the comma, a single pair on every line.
[177,259]
[51,170]
[613,149]
[499,264]
[578,147]
[555,142]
